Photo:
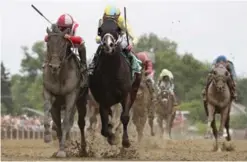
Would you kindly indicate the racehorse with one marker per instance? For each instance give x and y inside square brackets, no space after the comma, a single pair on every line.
[61,86]
[218,101]
[140,107]
[111,81]
[165,110]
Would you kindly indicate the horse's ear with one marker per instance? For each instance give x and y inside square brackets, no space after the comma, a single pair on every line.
[48,30]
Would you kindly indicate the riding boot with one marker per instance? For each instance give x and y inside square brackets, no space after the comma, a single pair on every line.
[83,61]
[134,61]
[93,63]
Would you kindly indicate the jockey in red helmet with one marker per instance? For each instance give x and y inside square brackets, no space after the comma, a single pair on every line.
[66,21]
[149,72]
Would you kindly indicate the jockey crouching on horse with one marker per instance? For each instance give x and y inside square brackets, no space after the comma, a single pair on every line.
[64,22]
[231,83]
[115,14]
[166,81]
[149,72]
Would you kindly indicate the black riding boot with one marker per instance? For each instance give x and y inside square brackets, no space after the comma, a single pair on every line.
[93,63]
[83,61]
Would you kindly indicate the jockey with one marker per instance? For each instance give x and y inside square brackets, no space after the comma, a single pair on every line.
[230,67]
[66,21]
[149,72]
[166,81]
[114,13]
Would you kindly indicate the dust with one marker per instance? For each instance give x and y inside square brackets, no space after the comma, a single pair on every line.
[150,148]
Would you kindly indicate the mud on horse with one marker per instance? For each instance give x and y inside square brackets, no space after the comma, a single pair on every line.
[111,81]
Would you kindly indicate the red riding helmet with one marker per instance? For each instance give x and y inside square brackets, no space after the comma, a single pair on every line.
[65,21]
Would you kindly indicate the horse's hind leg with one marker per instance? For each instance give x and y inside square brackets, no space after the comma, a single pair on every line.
[82,110]
[49,99]
[125,117]
[69,113]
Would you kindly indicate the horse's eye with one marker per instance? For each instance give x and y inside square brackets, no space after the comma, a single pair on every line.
[226,73]
[214,72]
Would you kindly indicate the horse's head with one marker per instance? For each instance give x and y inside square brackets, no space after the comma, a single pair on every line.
[110,36]
[57,48]
[220,77]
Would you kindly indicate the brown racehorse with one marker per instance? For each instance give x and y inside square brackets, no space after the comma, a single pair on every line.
[218,102]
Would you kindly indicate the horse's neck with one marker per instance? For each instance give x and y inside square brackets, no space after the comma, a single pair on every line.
[165,85]
[111,63]
[221,96]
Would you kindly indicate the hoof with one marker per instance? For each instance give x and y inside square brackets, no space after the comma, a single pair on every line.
[61,154]
[83,153]
[219,150]
[112,140]
[47,138]
[126,143]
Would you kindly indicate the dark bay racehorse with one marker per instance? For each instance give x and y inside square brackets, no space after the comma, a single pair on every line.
[111,82]
[218,102]
[61,86]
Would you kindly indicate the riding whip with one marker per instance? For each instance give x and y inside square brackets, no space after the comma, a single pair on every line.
[40,13]
[125,19]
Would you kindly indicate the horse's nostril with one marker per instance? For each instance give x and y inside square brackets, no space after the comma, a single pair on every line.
[111,44]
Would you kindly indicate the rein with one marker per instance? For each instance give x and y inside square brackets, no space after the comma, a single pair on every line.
[65,57]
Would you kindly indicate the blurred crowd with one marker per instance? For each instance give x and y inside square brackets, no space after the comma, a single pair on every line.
[22,122]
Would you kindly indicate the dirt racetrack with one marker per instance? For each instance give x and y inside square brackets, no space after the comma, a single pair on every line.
[151,148]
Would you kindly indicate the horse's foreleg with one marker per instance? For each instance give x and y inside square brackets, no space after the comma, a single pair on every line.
[211,111]
[170,123]
[56,116]
[70,100]
[125,117]
[213,125]
[82,110]
[49,99]
[160,123]
[224,115]
[151,112]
